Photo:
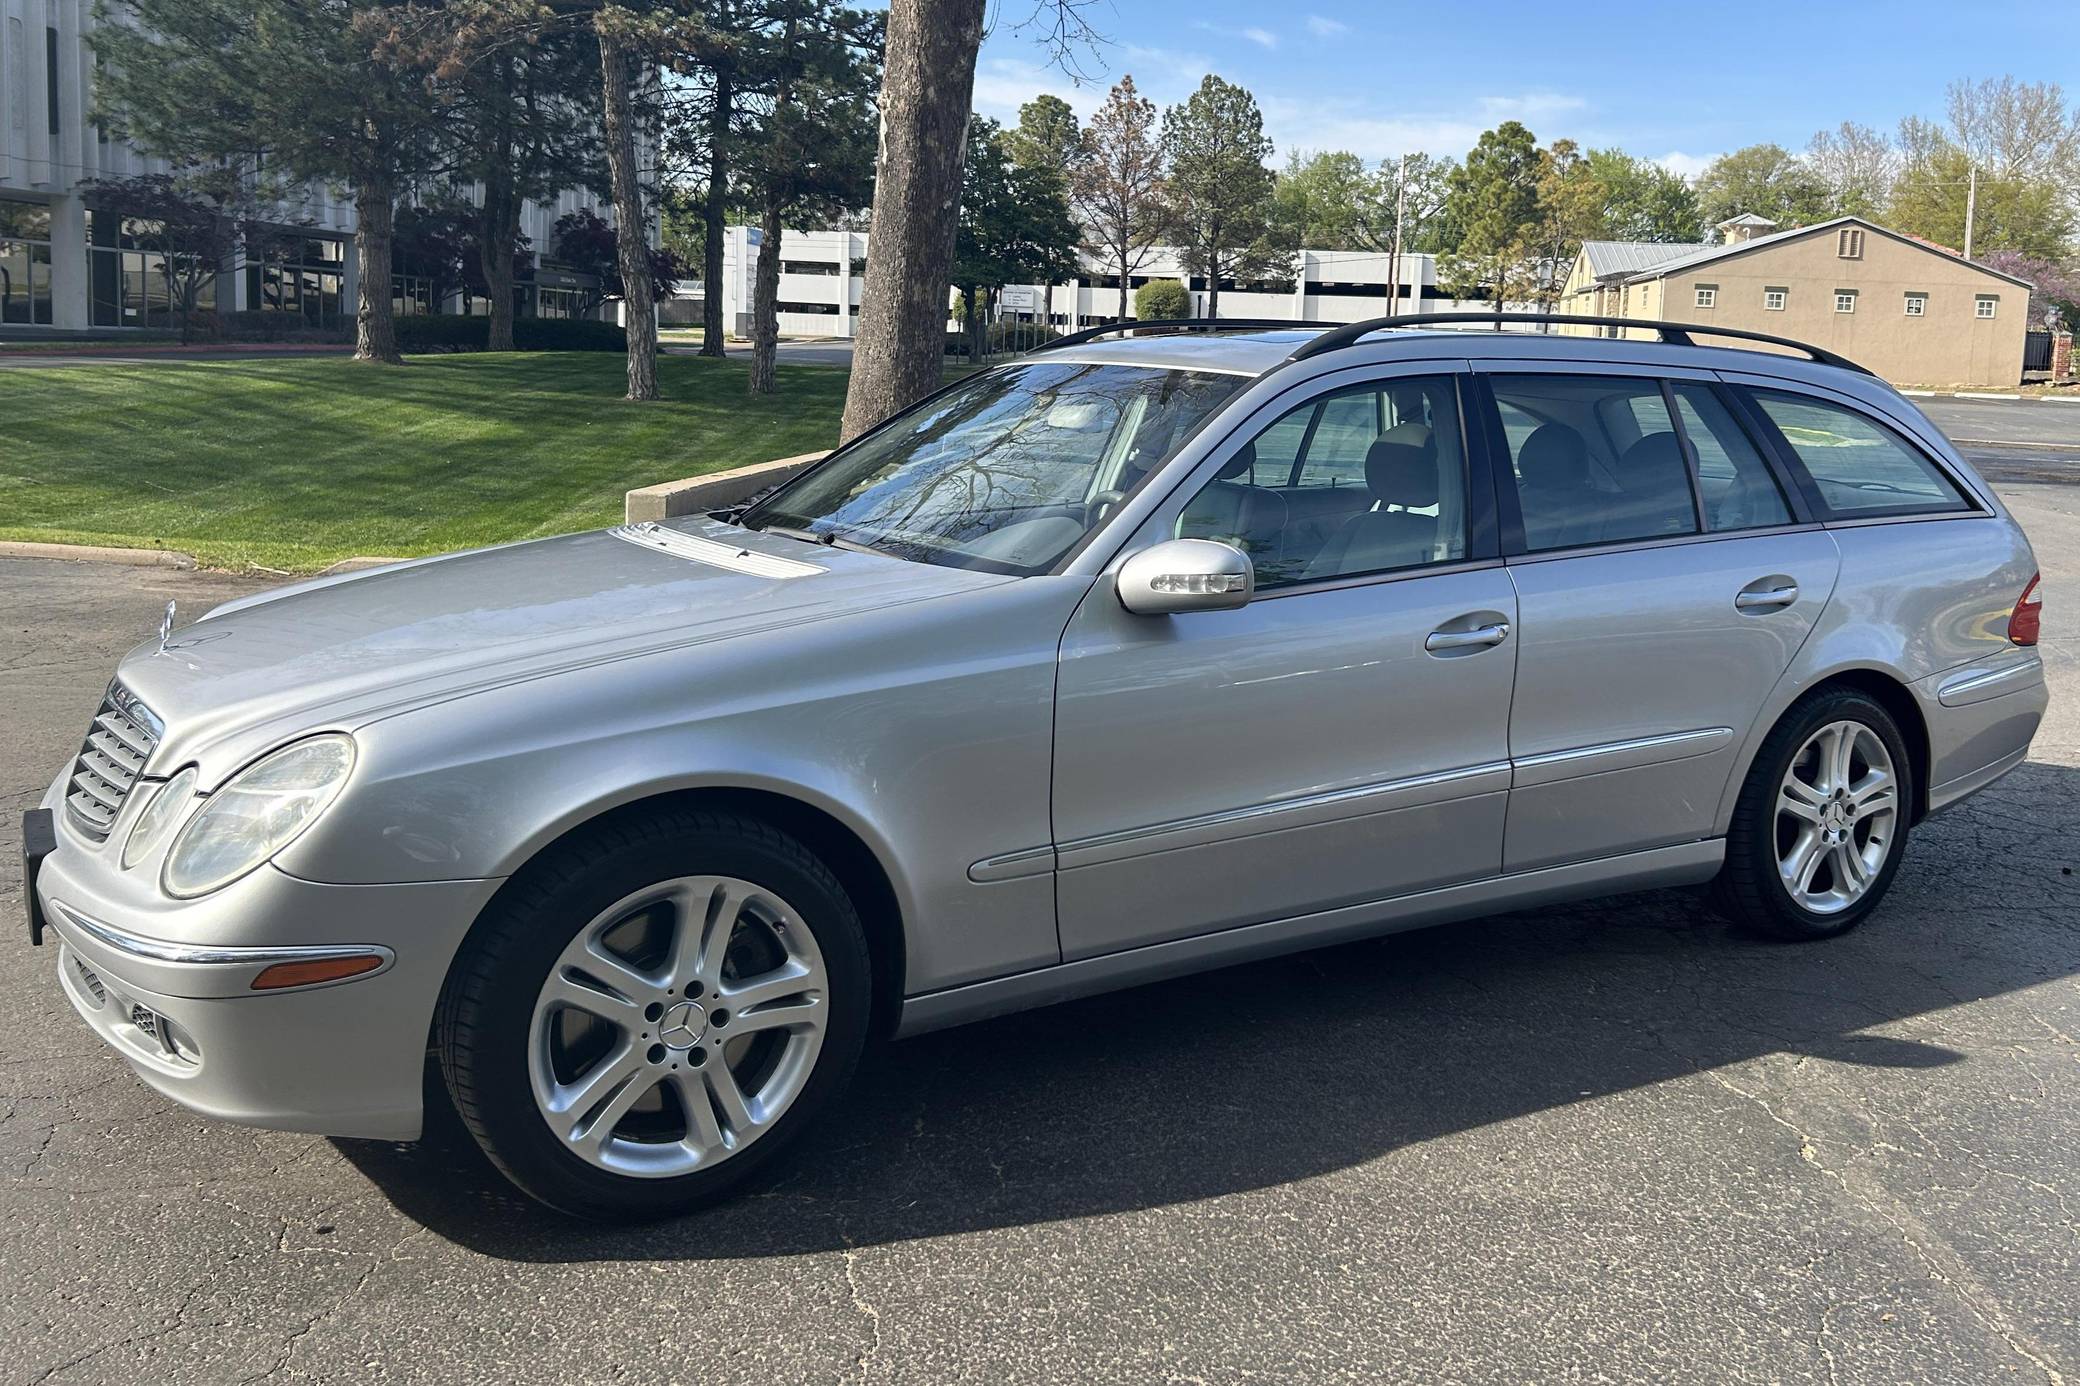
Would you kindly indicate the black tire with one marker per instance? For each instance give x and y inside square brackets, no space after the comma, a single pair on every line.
[487,1005]
[1749,889]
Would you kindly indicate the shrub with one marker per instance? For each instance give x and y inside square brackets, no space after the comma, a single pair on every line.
[1162,298]
[273,325]
[431,332]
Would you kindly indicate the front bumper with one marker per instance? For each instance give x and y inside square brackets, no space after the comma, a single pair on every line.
[167,984]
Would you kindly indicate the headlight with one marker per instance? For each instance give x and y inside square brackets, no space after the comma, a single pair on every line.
[257,814]
[160,814]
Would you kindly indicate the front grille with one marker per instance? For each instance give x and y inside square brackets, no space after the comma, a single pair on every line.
[91,980]
[118,745]
[146,1022]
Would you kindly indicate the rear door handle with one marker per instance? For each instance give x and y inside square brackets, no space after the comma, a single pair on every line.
[1751,600]
[1466,639]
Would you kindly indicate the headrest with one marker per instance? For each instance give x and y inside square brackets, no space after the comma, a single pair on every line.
[1656,458]
[1239,464]
[1401,474]
[1554,456]
[1414,433]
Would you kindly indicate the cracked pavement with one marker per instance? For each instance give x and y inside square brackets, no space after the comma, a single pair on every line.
[1615,1141]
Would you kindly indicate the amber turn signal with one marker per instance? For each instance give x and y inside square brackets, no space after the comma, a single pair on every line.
[304,974]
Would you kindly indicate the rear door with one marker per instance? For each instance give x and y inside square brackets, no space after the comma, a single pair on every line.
[1666,573]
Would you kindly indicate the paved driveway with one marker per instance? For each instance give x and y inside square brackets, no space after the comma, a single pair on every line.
[1607,1142]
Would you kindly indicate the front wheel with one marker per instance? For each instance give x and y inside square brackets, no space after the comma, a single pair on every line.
[650,1015]
[1822,821]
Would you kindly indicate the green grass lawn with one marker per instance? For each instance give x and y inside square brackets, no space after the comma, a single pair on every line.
[295,464]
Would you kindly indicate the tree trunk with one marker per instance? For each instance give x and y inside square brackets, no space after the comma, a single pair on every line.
[714,210]
[927,83]
[632,243]
[375,330]
[765,301]
[1123,286]
[1213,294]
[498,222]
[971,316]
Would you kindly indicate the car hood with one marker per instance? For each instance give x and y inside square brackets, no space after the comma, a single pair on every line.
[340,652]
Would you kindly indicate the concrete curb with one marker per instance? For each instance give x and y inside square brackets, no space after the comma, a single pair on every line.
[713,491]
[95,553]
[357,564]
[1987,394]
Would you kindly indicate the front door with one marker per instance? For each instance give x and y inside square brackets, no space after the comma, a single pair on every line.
[1341,739]
[1665,581]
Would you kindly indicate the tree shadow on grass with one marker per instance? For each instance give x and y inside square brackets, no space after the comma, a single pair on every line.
[1267,1073]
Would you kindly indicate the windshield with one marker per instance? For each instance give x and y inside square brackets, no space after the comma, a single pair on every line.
[1005,472]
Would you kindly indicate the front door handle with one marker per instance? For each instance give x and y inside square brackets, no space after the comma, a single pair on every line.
[1765,599]
[1466,639]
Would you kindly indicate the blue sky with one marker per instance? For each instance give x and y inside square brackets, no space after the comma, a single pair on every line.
[1679,83]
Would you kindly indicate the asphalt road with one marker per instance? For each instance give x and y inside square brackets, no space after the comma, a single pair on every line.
[1609,1142]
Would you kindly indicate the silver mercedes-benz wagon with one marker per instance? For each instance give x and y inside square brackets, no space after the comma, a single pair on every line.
[1135,656]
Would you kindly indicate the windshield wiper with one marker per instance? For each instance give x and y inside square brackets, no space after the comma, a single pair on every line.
[807,536]
[825,538]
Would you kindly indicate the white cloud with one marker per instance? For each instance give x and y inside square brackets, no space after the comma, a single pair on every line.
[1688,165]
[1321,26]
[1531,106]
[1261,37]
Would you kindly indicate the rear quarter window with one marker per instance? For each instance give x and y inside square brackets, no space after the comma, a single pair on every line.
[1859,466]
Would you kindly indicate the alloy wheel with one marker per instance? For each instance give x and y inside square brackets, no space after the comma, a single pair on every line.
[1837,816]
[678,1026]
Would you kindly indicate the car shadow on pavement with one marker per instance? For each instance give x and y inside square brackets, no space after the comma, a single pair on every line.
[1269,1073]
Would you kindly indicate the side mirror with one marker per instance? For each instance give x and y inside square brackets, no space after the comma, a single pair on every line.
[1181,575]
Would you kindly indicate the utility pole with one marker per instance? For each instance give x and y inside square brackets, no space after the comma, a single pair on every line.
[1971,205]
[1394,261]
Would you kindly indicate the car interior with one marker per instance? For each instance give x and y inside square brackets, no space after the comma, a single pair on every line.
[1372,479]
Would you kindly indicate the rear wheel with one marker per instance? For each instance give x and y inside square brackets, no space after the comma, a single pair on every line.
[655,1012]
[1822,821]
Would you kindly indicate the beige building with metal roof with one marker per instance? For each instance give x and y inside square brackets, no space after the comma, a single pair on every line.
[1913,312]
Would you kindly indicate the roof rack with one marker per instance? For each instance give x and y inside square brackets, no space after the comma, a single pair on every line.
[1672,333]
[1091,334]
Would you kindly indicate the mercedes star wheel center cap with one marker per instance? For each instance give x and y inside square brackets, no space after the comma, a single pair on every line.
[682,1026]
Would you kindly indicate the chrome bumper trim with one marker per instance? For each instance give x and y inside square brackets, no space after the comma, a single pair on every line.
[158,950]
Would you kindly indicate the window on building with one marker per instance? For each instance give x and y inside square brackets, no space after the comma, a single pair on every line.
[1707,295]
[823,267]
[1845,300]
[1917,305]
[50,72]
[1849,243]
[1775,299]
[1985,304]
[25,263]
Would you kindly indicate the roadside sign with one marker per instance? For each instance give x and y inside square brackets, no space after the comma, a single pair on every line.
[1019,298]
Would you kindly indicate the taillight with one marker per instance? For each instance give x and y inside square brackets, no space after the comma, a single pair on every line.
[2028,617]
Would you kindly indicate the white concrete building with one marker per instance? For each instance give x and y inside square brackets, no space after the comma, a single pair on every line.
[820,278]
[64,269]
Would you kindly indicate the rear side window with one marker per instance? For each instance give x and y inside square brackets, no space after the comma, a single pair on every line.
[1859,466]
[1596,460]
[1732,478]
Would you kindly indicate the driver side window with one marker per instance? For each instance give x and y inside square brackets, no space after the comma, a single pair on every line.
[1368,479]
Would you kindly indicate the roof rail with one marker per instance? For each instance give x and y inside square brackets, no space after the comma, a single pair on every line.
[1673,333]
[1091,334]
